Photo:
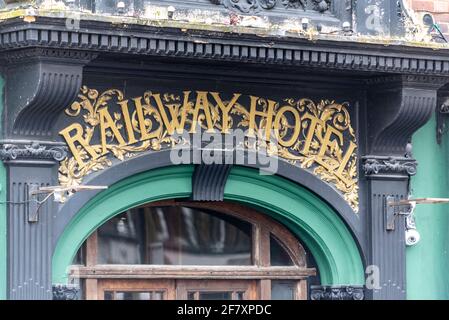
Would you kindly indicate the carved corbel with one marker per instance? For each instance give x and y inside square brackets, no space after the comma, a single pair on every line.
[31,151]
[373,165]
[209,181]
[397,107]
[40,83]
[65,292]
[337,293]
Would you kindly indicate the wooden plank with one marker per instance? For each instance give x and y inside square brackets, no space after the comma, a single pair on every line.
[197,277]
[92,290]
[264,245]
[301,290]
[264,289]
[257,254]
[92,249]
[190,272]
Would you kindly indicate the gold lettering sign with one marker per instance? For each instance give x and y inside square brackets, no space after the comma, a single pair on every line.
[317,136]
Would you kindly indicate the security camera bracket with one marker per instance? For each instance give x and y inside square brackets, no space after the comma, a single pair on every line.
[33,203]
[393,210]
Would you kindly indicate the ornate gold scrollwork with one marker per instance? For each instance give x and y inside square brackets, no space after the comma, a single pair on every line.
[317,136]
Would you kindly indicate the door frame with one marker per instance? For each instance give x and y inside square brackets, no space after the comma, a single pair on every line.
[259,274]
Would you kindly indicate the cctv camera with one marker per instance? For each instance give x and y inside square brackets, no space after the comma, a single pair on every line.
[412,237]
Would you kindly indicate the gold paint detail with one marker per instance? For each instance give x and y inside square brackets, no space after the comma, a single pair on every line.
[315,136]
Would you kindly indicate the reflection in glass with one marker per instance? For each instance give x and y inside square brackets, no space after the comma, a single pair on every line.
[191,295]
[108,295]
[240,295]
[278,255]
[80,256]
[215,295]
[133,295]
[218,295]
[174,235]
[282,290]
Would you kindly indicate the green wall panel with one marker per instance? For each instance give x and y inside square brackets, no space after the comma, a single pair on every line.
[428,261]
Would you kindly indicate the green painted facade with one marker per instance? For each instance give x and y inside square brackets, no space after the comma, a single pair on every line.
[3,221]
[428,261]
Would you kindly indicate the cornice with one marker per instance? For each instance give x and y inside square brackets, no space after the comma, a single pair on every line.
[53,54]
[414,80]
[101,37]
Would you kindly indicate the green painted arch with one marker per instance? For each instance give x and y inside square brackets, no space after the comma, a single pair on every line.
[314,222]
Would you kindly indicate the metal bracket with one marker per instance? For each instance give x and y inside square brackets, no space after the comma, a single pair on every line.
[394,209]
[33,205]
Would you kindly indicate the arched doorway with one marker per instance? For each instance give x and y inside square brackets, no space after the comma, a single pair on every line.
[179,249]
[304,214]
